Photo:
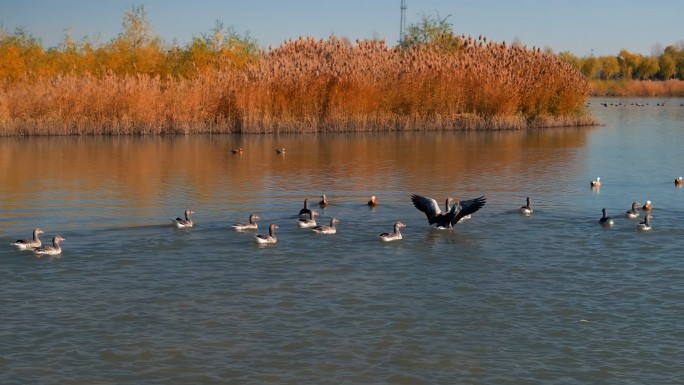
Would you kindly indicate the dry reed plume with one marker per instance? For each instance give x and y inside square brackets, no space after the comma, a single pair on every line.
[308,85]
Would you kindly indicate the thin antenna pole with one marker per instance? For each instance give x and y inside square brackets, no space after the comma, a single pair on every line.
[402,22]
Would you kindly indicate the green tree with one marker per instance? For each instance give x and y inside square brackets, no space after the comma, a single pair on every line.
[434,32]
[137,28]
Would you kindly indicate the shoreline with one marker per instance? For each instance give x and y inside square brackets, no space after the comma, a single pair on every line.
[457,122]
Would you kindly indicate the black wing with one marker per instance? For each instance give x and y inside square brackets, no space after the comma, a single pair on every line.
[468,207]
[427,205]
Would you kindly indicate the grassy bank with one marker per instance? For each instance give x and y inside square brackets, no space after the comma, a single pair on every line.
[308,85]
[637,88]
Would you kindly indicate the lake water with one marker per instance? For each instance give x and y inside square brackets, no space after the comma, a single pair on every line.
[552,298]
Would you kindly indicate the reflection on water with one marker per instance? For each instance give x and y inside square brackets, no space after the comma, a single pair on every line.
[503,298]
[137,169]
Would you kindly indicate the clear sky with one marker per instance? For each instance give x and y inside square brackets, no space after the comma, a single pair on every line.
[603,27]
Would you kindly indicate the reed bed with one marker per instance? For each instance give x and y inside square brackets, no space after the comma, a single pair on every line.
[308,85]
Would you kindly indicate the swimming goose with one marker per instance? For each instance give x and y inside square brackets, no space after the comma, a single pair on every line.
[647,206]
[270,238]
[449,218]
[50,250]
[596,182]
[252,225]
[238,151]
[526,210]
[28,244]
[633,213]
[280,151]
[396,235]
[308,222]
[324,201]
[679,181]
[323,229]
[304,213]
[372,201]
[182,223]
[646,224]
[605,219]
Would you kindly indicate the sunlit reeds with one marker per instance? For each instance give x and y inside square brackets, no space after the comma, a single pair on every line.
[308,85]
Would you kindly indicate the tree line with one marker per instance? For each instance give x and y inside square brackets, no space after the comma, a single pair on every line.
[669,64]
[136,50]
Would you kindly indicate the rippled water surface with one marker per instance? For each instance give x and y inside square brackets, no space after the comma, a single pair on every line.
[552,298]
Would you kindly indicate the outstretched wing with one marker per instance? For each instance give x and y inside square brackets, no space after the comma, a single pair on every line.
[427,205]
[468,207]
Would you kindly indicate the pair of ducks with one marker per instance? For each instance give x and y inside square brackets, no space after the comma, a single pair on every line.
[597,182]
[238,151]
[270,238]
[320,229]
[36,245]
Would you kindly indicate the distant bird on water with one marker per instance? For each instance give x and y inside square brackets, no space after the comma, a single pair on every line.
[252,225]
[646,224]
[395,236]
[605,219]
[372,201]
[679,181]
[327,229]
[183,223]
[633,213]
[28,244]
[270,238]
[50,250]
[238,151]
[280,151]
[596,182]
[647,206]
[324,201]
[309,222]
[449,218]
[527,209]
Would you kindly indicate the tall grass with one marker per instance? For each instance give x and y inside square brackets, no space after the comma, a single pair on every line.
[308,85]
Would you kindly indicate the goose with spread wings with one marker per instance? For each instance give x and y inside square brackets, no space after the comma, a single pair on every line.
[448,218]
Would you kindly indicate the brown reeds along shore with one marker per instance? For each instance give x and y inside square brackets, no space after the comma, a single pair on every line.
[309,85]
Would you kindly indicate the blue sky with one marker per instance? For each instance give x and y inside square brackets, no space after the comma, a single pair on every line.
[579,26]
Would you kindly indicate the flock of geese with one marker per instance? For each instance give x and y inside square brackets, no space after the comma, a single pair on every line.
[306,219]
[633,212]
[452,214]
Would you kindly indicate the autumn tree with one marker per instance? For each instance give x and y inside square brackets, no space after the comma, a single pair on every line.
[647,69]
[223,46]
[20,54]
[610,68]
[137,49]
